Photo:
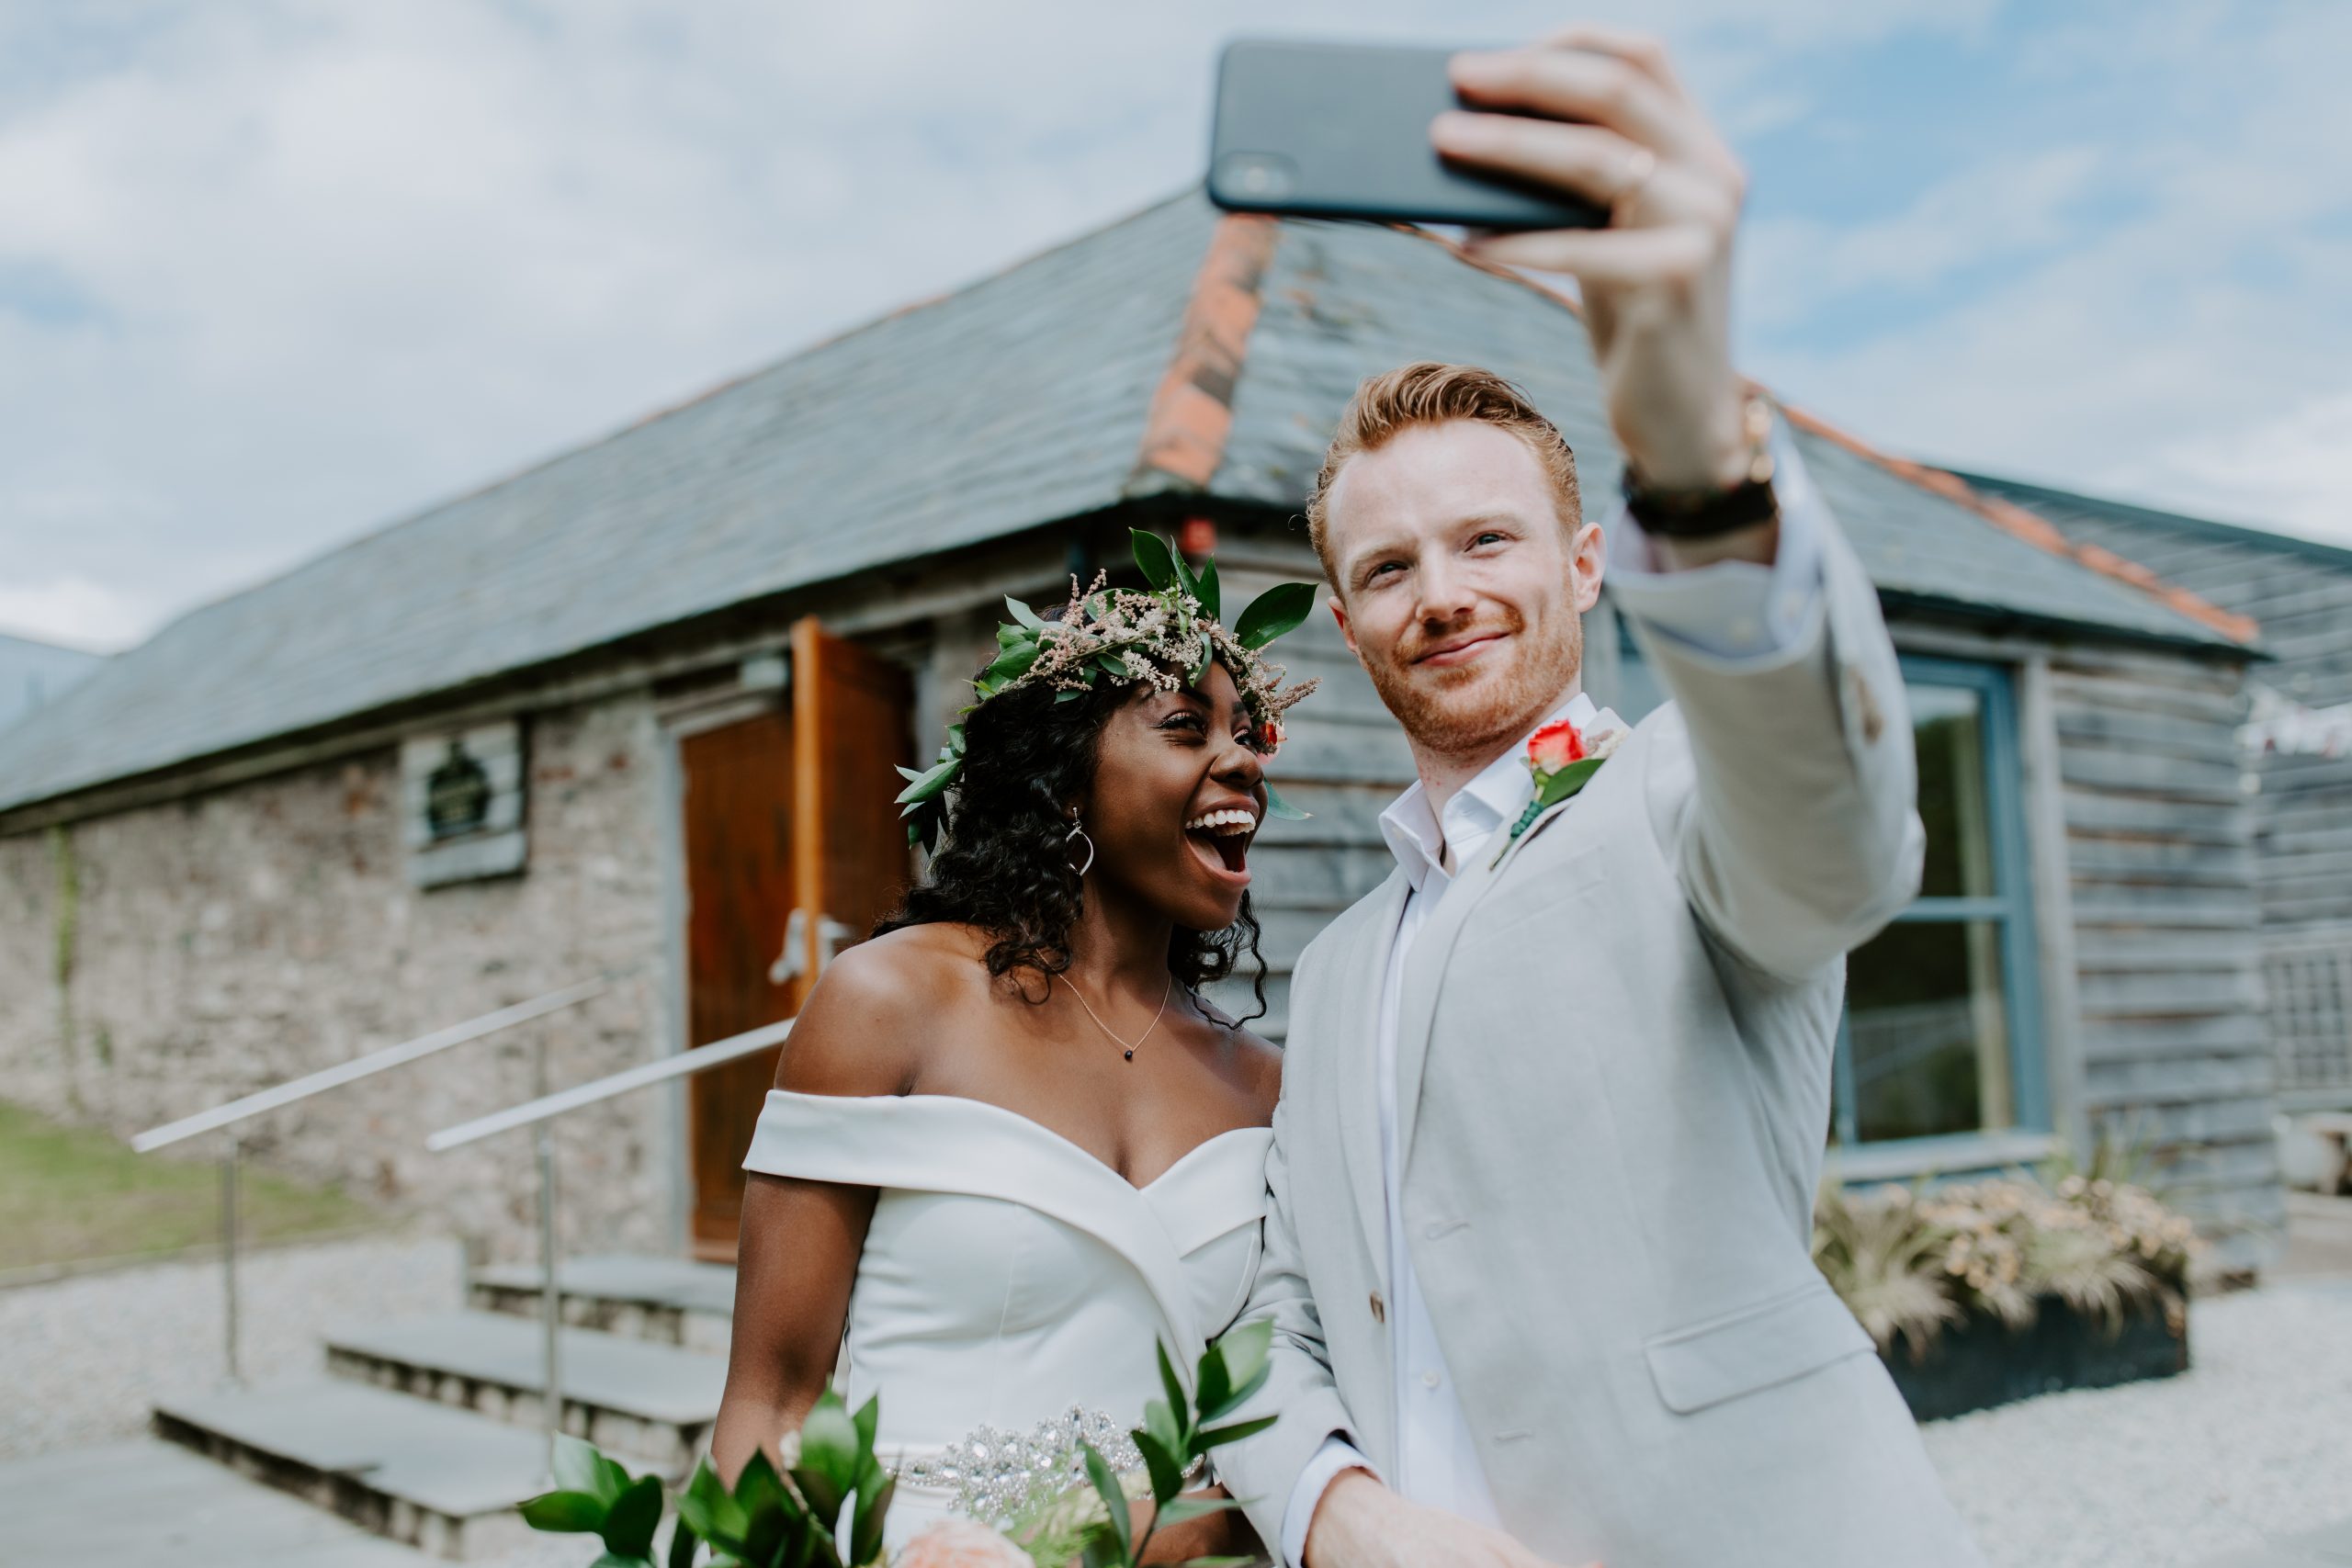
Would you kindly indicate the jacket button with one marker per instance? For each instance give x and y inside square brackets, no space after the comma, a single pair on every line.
[1379,1308]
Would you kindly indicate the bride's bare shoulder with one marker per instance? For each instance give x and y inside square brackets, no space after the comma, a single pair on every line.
[873,1016]
[1257,1062]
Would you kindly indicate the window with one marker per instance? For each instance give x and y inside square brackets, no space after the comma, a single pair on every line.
[1940,1037]
[1940,1006]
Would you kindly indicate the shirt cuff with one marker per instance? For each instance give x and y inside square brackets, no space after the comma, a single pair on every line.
[1730,609]
[1336,1457]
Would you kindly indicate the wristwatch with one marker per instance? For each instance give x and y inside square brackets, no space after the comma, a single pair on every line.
[1704,512]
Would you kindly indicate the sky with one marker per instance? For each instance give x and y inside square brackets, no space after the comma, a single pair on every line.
[275,273]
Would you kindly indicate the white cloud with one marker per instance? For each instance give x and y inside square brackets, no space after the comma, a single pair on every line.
[2189,354]
[2293,472]
[304,266]
[74,611]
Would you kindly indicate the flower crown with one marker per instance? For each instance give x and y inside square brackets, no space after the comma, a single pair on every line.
[1166,637]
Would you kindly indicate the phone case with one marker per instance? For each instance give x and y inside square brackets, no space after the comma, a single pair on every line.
[1342,130]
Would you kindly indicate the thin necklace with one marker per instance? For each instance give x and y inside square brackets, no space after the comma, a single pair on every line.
[1106,1028]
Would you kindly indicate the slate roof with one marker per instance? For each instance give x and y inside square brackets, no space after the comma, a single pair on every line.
[33,673]
[1146,355]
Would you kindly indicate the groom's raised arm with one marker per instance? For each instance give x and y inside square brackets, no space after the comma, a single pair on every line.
[1265,1471]
[1795,837]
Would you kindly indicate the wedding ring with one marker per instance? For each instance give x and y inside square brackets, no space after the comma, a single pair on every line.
[1638,171]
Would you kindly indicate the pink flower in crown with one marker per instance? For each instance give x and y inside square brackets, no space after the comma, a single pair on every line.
[1554,747]
[960,1543]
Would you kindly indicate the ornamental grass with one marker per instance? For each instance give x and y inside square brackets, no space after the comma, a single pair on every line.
[1910,1262]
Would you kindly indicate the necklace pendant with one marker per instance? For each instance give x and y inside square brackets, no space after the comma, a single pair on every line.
[1131,1053]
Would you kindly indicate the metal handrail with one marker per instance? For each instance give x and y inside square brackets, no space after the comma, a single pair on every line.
[295,1090]
[361,1067]
[541,1114]
[685,1064]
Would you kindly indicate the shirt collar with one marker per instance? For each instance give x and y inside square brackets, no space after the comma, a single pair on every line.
[1499,793]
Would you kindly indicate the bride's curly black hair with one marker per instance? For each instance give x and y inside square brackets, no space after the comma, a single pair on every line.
[1003,863]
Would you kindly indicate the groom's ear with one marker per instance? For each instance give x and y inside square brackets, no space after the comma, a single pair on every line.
[1347,632]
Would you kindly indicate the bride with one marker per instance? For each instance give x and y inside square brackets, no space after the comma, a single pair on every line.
[1010,1146]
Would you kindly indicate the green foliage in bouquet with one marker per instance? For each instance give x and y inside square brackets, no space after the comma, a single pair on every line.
[770,1519]
[834,1493]
[1175,1436]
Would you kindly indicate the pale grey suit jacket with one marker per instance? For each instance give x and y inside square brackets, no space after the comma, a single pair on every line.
[1614,1060]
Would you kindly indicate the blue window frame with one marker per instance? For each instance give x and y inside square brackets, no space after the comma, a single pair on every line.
[1940,1034]
[1941,1037]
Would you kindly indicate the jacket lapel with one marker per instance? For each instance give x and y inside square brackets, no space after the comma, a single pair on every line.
[1424,977]
[1358,978]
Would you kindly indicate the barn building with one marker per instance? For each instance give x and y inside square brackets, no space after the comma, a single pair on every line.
[630,715]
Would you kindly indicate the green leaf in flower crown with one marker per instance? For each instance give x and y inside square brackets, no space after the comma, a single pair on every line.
[1115,1499]
[1207,590]
[566,1512]
[1023,615]
[1111,664]
[1156,559]
[1278,610]
[629,1529]
[927,785]
[1277,807]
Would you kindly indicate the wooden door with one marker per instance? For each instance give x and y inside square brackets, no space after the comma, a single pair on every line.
[788,811]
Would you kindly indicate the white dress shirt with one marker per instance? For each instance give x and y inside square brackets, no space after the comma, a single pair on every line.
[1734,610]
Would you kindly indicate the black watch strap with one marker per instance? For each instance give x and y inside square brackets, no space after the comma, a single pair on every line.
[1702,513]
[1699,514]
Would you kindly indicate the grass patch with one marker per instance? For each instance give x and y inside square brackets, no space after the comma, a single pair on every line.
[70,1193]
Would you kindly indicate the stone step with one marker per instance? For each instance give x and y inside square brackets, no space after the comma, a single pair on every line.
[671,1301]
[425,1476]
[651,1403]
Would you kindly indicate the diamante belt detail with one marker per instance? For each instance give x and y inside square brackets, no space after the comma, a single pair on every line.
[995,1475]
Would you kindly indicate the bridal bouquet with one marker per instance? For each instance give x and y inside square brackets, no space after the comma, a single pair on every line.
[826,1508]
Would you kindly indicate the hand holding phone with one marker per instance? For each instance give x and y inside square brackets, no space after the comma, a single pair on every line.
[1585,144]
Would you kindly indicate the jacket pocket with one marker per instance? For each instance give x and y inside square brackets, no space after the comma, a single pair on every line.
[1755,1348]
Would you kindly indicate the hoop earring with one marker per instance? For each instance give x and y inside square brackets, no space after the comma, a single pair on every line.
[1078,833]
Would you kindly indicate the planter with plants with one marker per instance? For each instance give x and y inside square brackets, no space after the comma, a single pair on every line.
[1984,1293]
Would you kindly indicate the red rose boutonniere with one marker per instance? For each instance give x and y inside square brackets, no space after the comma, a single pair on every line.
[1563,759]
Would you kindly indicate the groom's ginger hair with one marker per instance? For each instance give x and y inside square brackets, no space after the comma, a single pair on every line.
[1429,392]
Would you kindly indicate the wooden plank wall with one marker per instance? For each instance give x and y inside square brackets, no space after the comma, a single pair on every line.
[2162,872]
[2302,595]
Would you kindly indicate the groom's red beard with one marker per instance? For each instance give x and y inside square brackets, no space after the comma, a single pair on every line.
[1470,711]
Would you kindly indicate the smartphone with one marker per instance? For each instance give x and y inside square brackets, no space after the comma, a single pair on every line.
[1342,131]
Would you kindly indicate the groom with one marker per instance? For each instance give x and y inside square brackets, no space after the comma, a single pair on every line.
[1555,1095]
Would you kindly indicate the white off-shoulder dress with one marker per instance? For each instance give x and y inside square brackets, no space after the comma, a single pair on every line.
[1012,1285]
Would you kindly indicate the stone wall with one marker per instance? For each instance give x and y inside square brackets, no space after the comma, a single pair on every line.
[216,945]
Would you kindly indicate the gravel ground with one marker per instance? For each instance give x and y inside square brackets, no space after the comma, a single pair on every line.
[2251,1443]
[82,1359]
